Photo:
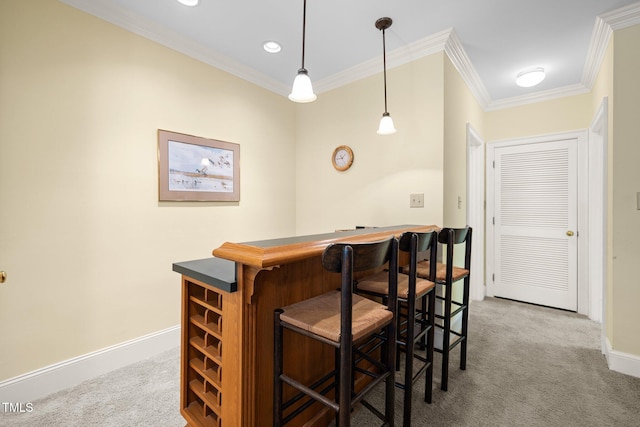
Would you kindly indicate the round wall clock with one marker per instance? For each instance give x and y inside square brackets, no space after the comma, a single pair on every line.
[342,158]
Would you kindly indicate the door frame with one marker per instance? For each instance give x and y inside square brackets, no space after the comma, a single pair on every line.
[475,210]
[598,165]
[583,206]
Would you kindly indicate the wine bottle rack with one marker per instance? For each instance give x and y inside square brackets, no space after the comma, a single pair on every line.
[203,354]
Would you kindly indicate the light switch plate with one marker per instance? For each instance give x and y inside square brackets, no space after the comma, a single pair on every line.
[416,200]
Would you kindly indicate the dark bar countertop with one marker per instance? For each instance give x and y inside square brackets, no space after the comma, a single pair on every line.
[220,270]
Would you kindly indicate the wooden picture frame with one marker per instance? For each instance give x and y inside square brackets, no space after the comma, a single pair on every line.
[191,168]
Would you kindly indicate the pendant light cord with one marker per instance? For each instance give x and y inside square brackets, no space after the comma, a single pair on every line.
[384,64]
[304,29]
[386,123]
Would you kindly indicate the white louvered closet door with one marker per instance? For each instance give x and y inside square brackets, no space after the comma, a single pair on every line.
[536,217]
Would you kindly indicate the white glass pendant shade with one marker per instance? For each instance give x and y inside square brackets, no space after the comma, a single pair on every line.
[302,90]
[530,78]
[386,125]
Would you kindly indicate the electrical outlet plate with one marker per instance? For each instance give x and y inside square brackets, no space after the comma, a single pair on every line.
[416,200]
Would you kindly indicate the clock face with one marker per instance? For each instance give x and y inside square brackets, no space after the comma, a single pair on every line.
[342,158]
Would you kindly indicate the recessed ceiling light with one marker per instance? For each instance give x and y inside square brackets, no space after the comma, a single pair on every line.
[271,46]
[189,2]
[530,77]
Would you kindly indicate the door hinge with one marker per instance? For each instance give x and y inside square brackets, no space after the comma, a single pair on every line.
[494,164]
[494,220]
[493,277]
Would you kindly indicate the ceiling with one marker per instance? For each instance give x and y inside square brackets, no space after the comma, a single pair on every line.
[489,41]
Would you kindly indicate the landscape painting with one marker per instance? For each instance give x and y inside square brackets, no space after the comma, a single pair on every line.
[197,169]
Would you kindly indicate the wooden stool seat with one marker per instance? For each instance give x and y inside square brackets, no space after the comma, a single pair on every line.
[321,315]
[424,267]
[379,284]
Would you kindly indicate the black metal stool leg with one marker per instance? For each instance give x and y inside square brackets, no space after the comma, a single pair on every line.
[430,339]
[390,383]
[408,367]
[465,323]
[446,336]
[399,329]
[344,385]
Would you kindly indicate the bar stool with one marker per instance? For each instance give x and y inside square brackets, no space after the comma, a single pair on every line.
[411,322]
[447,275]
[343,320]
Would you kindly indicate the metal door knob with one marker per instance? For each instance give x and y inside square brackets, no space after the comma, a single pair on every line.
[569,233]
[3,276]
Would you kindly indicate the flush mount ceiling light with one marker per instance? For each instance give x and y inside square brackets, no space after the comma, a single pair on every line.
[302,90]
[271,46]
[189,2]
[530,77]
[386,122]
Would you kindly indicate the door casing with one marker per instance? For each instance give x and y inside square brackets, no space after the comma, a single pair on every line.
[475,210]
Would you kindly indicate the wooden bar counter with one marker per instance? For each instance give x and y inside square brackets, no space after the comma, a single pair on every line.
[226,365]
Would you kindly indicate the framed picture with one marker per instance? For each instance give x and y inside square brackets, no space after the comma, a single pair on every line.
[197,169]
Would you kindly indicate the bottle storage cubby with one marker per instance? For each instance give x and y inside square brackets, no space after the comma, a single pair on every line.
[202,387]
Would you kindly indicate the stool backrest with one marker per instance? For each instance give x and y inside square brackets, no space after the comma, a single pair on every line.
[345,258]
[457,236]
[366,255]
[415,243]
[423,241]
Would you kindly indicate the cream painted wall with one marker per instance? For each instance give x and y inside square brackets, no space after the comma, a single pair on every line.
[386,169]
[626,183]
[86,244]
[460,108]
[553,116]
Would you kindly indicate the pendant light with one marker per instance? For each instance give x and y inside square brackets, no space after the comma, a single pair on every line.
[386,122]
[302,90]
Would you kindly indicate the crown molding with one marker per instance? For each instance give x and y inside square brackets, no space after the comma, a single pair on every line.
[458,56]
[122,18]
[603,28]
[446,41]
[418,49]
[600,38]
[546,95]
[624,17]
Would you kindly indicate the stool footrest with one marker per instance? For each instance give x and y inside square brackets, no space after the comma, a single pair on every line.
[453,313]
[309,392]
[453,344]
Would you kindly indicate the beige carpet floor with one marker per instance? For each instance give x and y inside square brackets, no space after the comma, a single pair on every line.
[527,366]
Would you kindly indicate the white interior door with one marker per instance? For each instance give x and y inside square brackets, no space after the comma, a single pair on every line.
[536,219]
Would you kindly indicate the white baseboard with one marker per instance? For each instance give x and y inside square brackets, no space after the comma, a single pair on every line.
[50,379]
[618,361]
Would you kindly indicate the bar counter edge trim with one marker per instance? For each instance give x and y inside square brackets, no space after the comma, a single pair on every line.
[266,257]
